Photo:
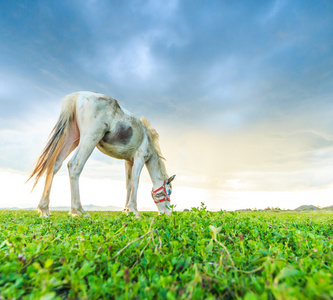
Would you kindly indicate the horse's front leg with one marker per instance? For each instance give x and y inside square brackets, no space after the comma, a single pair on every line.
[134,184]
[128,171]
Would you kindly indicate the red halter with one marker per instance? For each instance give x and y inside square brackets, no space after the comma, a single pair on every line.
[163,193]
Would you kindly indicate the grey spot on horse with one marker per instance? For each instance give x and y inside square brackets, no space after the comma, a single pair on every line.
[121,134]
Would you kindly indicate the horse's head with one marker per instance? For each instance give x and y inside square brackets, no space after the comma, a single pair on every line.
[161,196]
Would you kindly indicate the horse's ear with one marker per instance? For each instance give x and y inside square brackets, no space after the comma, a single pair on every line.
[171,178]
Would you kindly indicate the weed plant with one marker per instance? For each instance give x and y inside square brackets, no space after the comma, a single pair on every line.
[189,255]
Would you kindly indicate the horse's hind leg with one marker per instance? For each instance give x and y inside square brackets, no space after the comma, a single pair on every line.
[70,144]
[75,166]
[43,206]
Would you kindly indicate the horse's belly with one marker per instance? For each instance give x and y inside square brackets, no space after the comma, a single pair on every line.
[120,142]
[116,151]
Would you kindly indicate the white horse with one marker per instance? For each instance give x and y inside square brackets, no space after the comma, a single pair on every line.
[88,120]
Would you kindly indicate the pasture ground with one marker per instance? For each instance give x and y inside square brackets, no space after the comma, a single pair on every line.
[189,255]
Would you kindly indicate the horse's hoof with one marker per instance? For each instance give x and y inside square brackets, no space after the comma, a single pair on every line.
[75,214]
[44,214]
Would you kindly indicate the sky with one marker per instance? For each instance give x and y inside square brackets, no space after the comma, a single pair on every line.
[239,91]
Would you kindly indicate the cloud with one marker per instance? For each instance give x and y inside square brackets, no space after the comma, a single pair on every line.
[250,162]
[240,94]
[273,11]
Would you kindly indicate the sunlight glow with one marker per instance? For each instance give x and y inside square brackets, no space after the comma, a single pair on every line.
[107,192]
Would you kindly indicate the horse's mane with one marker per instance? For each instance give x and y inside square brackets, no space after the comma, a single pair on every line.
[154,135]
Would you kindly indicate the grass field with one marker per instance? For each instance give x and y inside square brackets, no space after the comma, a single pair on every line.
[189,255]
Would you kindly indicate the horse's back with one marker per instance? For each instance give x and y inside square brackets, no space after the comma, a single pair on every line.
[96,99]
[123,132]
[95,110]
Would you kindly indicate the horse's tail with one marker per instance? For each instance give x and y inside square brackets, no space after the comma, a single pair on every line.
[57,139]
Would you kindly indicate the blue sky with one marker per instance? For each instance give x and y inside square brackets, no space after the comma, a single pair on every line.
[240,91]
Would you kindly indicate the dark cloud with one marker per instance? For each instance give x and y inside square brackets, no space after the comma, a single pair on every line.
[259,72]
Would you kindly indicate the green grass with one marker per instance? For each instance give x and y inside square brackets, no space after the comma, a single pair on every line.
[189,255]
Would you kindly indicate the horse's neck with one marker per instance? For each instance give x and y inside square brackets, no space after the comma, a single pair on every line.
[156,170]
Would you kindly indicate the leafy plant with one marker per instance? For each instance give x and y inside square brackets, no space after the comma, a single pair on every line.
[197,254]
